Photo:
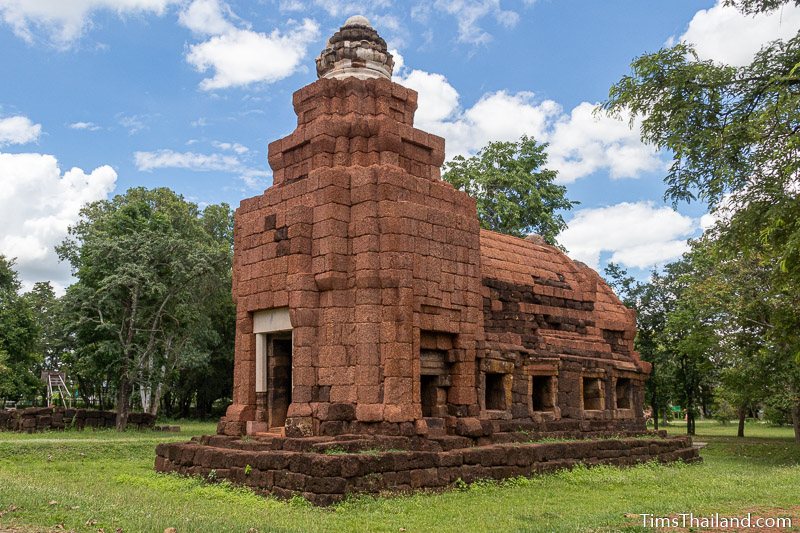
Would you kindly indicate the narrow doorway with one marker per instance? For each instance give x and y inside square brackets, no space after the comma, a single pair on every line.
[279,378]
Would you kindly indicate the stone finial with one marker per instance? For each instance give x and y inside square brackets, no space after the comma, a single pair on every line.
[355,50]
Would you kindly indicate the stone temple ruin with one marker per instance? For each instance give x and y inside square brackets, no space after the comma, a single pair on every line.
[384,341]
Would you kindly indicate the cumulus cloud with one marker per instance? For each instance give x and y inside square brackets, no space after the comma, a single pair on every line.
[637,235]
[724,34]
[240,56]
[580,142]
[18,130]
[37,205]
[63,21]
[207,17]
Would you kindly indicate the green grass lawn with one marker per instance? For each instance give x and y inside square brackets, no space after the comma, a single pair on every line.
[86,481]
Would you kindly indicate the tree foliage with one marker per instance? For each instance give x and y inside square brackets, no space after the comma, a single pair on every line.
[734,134]
[674,333]
[514,193]
[19,361]
[149,264]
[752,7]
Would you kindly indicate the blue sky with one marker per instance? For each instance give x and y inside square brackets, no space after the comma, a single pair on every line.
[103,95]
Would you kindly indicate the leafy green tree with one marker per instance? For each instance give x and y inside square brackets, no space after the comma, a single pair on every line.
[146,264]
[208,379]
[47,309]
[19,332]
[651,301]
[733,136]
[689,338]
[514,193]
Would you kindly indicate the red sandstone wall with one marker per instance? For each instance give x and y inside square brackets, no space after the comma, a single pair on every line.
[549,315]
[366,246]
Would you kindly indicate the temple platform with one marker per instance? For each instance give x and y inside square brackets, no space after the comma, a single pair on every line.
[324,470]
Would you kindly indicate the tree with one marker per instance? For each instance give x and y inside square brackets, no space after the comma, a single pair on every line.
[652,301]
[734,134]
[46,307]
[145,264]
[514,194]
[675,332]
[209,379]
[18,337]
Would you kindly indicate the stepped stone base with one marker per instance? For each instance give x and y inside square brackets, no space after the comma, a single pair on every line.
[325,469]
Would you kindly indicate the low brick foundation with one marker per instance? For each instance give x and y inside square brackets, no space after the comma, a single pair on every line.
[324,470]
[58,418]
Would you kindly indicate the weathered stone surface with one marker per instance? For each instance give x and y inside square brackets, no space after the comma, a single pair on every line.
[59,418]
[324,478]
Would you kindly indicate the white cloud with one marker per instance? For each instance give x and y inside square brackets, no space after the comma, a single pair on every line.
[468,14]
[89,126]
[347,8]
[18,130]
[438,99]
[724,34]
[580,142]
[37,205]
[234,147]
[134,123]
[253,178]
[240,57]
[147,161]
[638,235]
[65,20]
[207,17]
[291,5]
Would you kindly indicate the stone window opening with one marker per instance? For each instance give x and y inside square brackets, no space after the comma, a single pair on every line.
[495,392]
[542,393]
[435,373]
[593,394]
[622,393]
[434,381]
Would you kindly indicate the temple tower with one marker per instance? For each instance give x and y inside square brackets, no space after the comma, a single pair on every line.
[357,274]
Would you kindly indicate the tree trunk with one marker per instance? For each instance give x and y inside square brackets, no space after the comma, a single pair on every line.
[796,421]
[742,417]
[655,409]
[155,399]
[123,402]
